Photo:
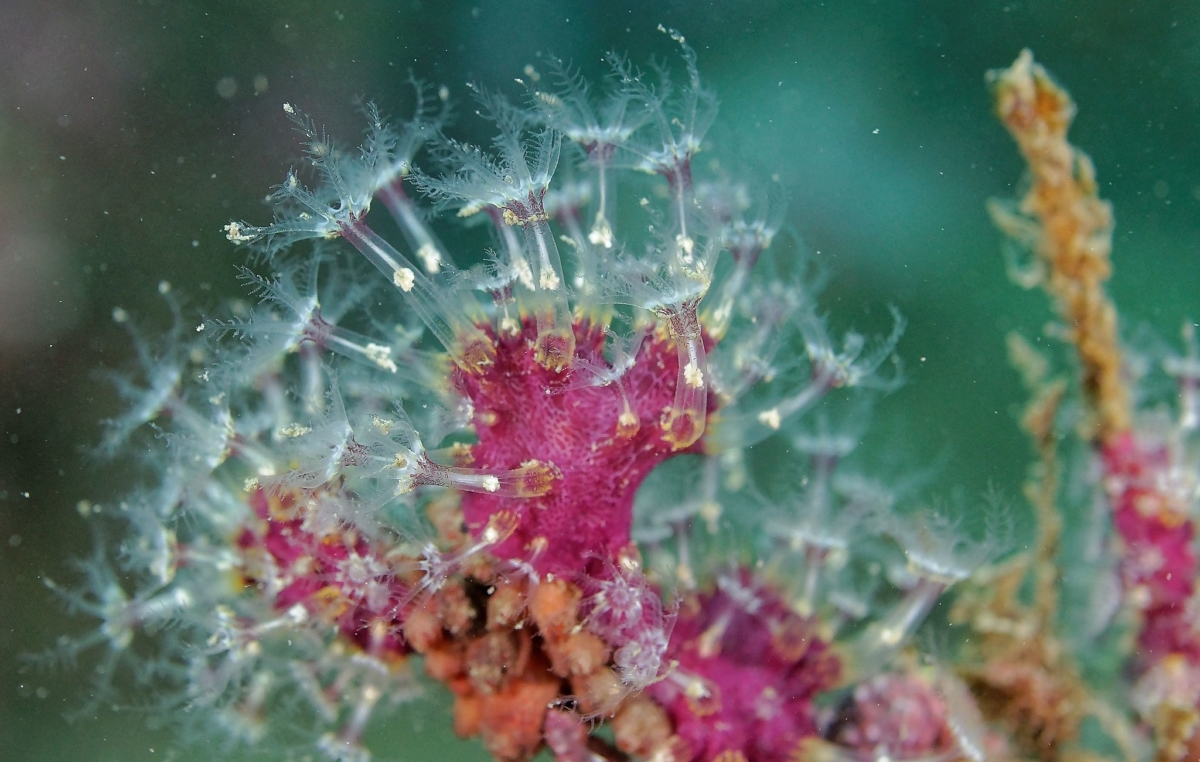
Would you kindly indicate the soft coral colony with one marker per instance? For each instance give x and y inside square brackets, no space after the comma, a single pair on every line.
[440,467]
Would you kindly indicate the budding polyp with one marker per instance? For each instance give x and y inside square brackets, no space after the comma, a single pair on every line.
[681,428]
[555,349]
[601,233]
[628,423]
[536,478]
[703,696]
[381,356]
[500,527]
[476,353]
[549,280]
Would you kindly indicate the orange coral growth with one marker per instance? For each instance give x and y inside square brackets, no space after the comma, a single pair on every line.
[1069,229]
[522,665]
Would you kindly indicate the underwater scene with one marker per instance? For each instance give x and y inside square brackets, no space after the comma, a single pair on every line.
[600,382]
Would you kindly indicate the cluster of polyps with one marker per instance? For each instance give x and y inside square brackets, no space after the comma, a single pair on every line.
[319,542]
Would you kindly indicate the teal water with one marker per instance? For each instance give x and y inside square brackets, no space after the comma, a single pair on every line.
[131,132]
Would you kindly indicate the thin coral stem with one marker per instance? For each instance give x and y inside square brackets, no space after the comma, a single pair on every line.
[432,254]
[601,233]
[1073,237]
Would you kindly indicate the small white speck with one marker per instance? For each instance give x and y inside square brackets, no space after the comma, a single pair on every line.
[404,279]
[770,418]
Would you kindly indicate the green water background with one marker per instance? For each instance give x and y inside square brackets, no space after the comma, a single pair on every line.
[130,132]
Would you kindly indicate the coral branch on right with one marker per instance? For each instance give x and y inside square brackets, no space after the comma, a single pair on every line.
[1146,464]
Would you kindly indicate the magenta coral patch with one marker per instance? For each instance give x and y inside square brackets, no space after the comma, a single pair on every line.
[525,412]
[747,671]
[1160,558]
[336,576]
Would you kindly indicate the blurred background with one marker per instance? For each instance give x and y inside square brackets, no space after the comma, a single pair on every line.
[130,132]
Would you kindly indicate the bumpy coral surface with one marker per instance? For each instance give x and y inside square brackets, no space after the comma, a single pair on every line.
[599,443]
[747,668]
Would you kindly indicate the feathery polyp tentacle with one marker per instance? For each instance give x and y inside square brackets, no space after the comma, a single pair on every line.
[681,121]
[429,250]
[601,128]
[469,347]
[745,240]
[738,429]
[878,644]
[539,269]
[357,346]
[856,365]
[514,185]
[392,449]
[538,266]
[395,149]
[556,338]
